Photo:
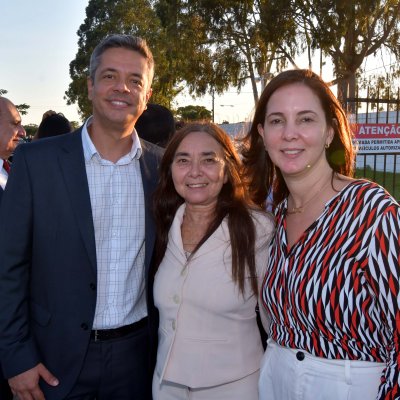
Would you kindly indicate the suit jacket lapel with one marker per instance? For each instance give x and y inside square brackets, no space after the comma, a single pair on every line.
[72,164]
[148,169]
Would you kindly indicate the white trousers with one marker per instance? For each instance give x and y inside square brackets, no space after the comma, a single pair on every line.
[242,389]
[290,374]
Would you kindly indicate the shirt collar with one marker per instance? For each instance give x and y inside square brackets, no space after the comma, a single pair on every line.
[89,149]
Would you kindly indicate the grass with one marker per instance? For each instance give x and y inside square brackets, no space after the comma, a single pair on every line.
[389,180]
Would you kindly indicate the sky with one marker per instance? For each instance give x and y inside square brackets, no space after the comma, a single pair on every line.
[38,40]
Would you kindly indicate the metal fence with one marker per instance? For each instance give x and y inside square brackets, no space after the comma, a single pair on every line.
[381,168]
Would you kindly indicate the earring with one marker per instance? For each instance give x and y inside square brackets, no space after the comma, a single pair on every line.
[327,145]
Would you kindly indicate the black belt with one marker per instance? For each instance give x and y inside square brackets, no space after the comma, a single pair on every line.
[99,335]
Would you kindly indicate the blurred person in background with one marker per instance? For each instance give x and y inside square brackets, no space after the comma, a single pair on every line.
[52,124]
[156,124]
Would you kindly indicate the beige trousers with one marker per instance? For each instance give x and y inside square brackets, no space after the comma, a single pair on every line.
[242,389]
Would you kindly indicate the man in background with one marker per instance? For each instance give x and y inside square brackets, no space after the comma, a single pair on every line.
[75,247]
[52,124]
[156,125]
[11,134]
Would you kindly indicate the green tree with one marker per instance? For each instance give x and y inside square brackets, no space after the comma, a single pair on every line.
[208,45]
[193,113]
[188,60]
[23,108]
[75,124]
[223,43]
[30,130]
[348,32]
[104,17]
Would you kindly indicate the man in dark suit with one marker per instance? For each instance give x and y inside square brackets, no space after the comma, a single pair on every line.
[76,238]
[11,133]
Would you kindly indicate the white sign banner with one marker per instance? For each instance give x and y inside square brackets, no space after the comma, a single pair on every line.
[377,138]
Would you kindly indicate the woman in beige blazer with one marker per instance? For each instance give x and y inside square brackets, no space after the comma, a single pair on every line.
[211,246]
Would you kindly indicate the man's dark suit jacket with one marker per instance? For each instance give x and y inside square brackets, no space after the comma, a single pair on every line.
[48,258]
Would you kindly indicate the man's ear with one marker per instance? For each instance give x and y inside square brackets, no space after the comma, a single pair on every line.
[148,94]
[89,82]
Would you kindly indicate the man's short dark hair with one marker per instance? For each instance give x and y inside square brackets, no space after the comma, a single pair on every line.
[129,42]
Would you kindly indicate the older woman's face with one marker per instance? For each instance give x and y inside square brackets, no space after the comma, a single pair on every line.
[198,169]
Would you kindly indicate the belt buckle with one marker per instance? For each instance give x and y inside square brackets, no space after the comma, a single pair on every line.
[96,335]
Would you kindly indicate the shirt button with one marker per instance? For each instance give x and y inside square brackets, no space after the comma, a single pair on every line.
[173,324]
[300,356]
[176,299]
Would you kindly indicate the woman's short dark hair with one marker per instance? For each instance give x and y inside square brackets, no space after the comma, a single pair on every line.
[156,124]
[53,125]
[261,173]
[232,202]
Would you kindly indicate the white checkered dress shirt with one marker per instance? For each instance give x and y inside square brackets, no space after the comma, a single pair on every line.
[117,199]
[3,175]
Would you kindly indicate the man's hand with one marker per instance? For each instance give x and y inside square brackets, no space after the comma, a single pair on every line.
[26,385]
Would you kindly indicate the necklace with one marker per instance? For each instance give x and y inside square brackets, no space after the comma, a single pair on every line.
[299,210]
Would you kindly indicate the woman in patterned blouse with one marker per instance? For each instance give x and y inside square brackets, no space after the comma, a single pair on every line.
[331,289]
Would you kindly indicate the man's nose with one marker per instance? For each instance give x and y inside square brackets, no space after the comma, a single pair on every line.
[121,86]
[21,132]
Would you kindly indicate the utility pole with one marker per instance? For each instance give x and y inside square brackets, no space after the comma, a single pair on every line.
[213,106]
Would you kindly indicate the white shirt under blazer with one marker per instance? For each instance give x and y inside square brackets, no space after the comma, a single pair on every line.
[208,333]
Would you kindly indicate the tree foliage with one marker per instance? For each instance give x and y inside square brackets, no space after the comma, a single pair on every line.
[224,42]
[380,87]
[347,32]
[30,130]
[75,124]
[202,45]
[22,108]
[206,46]
[193,113]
